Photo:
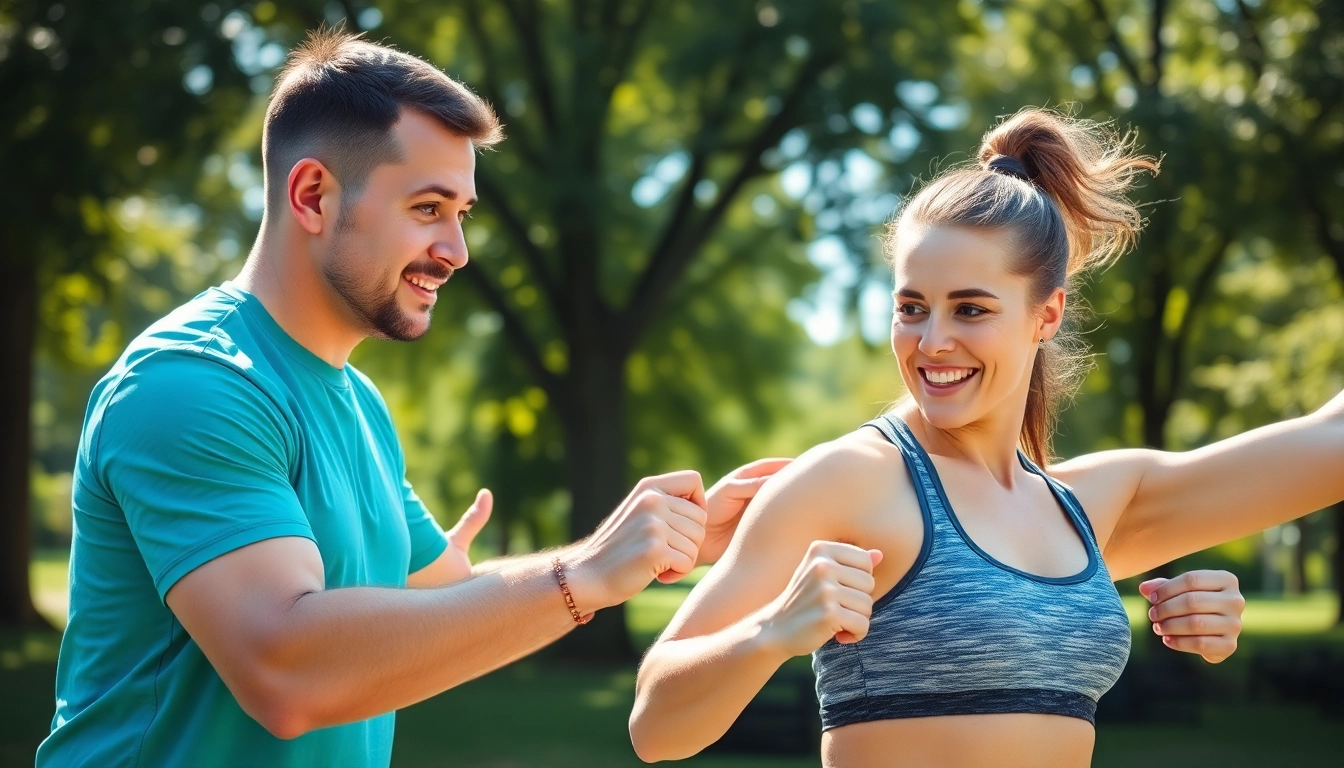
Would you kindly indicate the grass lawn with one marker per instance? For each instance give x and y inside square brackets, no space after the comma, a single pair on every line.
[536,714]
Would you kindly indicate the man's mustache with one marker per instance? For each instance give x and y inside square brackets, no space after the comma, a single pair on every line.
[432,269]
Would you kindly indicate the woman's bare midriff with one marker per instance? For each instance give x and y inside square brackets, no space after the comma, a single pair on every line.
[962,741]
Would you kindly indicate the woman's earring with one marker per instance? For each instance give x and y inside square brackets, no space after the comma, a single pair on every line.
[1042,341]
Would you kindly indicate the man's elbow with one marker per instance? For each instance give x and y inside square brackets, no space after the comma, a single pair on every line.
[273,698]
[284,724]
[283,714]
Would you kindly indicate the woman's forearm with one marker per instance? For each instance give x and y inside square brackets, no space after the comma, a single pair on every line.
[691,690]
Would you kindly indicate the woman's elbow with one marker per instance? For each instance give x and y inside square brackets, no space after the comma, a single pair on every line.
[655,736]
[645,739]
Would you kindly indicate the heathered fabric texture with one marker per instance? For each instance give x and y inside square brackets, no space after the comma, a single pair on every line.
[962,633]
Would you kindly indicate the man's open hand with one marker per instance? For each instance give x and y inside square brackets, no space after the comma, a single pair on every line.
[728,499]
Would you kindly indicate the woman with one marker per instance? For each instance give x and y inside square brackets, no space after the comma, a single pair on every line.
[958,599]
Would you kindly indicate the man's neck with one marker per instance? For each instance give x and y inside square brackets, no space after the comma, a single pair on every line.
[282,277]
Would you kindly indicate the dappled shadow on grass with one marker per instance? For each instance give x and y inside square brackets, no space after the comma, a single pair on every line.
[535,713]
[1243,735]
[541,713]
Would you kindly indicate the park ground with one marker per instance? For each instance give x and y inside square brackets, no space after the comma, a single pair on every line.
[536,713]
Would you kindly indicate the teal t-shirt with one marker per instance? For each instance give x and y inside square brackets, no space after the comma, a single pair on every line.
[213,431]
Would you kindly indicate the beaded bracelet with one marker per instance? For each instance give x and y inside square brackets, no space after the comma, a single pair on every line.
[569,598]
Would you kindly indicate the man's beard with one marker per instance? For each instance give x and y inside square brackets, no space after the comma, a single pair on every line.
[379,313]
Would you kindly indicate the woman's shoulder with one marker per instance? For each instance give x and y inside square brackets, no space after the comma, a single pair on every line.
[835,483]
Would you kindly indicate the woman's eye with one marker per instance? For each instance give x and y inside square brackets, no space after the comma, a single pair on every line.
[909,310]
[970,310]
[429,209]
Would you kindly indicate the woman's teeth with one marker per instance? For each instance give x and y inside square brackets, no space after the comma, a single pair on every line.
[947,376]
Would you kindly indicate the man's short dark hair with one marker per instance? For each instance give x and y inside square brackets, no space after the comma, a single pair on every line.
[338,97]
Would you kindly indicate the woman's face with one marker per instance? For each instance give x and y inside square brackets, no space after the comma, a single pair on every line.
[965,329]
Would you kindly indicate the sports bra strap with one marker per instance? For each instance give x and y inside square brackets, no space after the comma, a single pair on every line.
[899,435]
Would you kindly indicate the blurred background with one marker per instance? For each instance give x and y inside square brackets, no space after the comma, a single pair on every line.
[676,263]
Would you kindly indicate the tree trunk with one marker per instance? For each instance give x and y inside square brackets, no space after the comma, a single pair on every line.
[595,458]
[18,319]
[1297,571]
[1338,558]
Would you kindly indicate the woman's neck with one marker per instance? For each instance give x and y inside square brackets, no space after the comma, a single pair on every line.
[991,442]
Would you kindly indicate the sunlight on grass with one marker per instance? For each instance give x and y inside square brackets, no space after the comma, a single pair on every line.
[49,577]
[509,718]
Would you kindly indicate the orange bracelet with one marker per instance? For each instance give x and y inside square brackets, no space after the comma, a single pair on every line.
[569,598]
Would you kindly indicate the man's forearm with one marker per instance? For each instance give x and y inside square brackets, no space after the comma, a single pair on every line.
[545,557]
[350,654]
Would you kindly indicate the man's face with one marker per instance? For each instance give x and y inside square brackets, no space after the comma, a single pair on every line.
[401,239]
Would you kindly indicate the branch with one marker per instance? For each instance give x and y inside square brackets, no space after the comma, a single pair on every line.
[515,226]
[672,258]
[1199,290]
[1321,223]
[1255,52]
[350,14]
[684,206]
[1072,43]
[1155,32]
[516,333]
[490,79]
[526,22]
[624,46]
[1126,60]
[689,291]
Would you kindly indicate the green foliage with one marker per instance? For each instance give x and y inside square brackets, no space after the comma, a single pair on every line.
[670,172]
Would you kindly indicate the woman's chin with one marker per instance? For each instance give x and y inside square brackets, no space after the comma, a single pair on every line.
[944,416]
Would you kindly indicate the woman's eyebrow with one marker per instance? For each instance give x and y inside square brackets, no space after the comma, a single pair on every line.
[971,293]
[964,293]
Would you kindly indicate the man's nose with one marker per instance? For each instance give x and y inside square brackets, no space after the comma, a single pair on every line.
[451,252]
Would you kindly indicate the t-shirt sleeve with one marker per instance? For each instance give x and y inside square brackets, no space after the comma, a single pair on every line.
[198,458]
[427,539]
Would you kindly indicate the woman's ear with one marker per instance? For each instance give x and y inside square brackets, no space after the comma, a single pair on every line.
[1052,314]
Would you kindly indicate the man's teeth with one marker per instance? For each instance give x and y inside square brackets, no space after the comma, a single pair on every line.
[948,377]
[428,286]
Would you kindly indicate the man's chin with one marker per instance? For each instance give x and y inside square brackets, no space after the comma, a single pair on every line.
[409,326]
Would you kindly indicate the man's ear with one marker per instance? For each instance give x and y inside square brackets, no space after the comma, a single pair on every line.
[313,195]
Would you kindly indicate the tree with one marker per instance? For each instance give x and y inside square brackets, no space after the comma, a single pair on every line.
[101,101]
[637,131]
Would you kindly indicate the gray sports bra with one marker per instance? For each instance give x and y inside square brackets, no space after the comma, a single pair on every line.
[962,633]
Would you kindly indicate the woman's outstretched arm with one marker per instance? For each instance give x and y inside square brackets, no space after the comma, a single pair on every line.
[1150,507]
[783,588]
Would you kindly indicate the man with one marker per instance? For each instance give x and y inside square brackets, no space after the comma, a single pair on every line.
[244,531]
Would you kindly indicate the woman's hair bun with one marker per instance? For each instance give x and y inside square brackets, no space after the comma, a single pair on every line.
[1087,168]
